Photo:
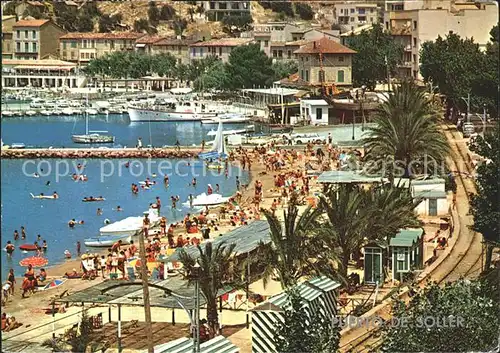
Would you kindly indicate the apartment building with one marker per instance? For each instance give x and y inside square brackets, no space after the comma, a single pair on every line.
[351,15]
[36,39]
[412,23]
[83,47]
[325,61]
[216,10]
[177,47]
[7,36]
[275,34]
[220,48]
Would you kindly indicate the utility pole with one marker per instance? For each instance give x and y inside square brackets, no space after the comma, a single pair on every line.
[196,327]
[145,288]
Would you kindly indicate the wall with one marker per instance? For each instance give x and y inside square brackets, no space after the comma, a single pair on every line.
[442,207]
[23,39]
[49,39]
[181,55]
[331,66]
[203,52]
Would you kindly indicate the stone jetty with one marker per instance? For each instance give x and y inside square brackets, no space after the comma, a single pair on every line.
[77,153]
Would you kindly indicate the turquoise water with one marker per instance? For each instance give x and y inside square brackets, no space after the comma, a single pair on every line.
[43,131]
[109,178]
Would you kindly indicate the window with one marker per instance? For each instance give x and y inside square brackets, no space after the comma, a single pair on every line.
[212,5]
[18,47]
[371,19]
[386,24]
[307,58]
[307,75]
[82,56]
[235,6]
[362,18]
[341,59]
[18,34]
[361,11]
[371,10]
[93,43]
[280,53]
[26,47]
[319,113]
[179,49]
[73,44]
[401,258]
[201,51]
[352,19]
[301,73]
[414,25]
[222,6]
[397,7]
[84,43]
[352,10]
[414,58]
[340,76]
[414,42]
[34,47]
[73,55]
[112,44]
[220,51]
[26,34]
[289,54]
[193,51]
[275,54]
[64,45]
[33,34]
[266,43]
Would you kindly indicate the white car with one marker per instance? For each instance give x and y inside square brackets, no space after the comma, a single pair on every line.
[299,139]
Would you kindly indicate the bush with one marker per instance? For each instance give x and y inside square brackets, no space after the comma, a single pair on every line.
[167,12]
[304,11]
[242,22]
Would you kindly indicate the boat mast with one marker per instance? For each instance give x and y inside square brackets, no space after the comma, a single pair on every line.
[87,116]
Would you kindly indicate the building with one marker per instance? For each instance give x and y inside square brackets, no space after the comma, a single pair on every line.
[220,48]
[415,22]
[314,111]
[82,47]
[7,42]
[40,73]
[145,44]
[325,61]
[351,15]
[36,39]
[177,47]
[272,37]
[216,10]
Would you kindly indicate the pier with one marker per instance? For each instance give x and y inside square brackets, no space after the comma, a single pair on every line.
[78,153]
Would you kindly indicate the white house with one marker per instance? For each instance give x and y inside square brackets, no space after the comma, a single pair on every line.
[435,202]
[315,111]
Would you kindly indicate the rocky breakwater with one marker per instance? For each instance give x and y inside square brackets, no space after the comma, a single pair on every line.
[98,153]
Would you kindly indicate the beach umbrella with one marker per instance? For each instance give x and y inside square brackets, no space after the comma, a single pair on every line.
[35,261]
[53,284]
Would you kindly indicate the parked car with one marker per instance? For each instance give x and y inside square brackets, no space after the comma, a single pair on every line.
[299,139]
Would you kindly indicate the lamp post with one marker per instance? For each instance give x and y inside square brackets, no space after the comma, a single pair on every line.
[467,101]
[195,275]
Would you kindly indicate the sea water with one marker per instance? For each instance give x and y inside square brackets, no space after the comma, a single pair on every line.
[56,131]
[108,178]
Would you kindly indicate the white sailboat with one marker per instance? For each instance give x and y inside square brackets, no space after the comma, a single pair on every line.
[219,149]
[92,136]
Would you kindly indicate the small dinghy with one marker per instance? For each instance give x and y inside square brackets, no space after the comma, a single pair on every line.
[106,241]
[43,197]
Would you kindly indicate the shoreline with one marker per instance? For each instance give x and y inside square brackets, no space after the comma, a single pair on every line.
[105,153]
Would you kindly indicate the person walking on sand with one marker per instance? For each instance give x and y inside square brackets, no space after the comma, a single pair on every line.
[145,225]
[78,248]
[12,279]
[158,204]
[178,145]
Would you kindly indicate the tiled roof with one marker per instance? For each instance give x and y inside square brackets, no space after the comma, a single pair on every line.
[298,42]
[278,44]
[30,23]
[174,41]
[223,42]
[325,46]
[149,39]
[92,35]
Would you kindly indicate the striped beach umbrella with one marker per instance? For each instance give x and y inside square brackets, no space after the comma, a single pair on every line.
[35,261]
[54,283]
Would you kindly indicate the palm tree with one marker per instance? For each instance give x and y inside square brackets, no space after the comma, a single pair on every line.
[216,271]
[407,131]
[356,216]
[294,252]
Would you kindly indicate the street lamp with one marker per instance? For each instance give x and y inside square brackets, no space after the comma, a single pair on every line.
[195,275]
[467,101]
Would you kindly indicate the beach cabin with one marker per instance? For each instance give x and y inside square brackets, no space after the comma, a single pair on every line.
[319,294]
[406,252]
[314,111]
[373,264]
[433,194]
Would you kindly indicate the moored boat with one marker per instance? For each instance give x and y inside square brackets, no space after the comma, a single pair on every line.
[106,241]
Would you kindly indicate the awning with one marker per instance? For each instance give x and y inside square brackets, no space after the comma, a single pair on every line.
[246,238]
[347,177]
[31,67]
[407,237]
[219,344]
[140,45]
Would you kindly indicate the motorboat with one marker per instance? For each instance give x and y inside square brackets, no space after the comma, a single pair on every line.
[68,111]
[18,145]
[46,112]
[36,105]
[230,118]
[30,113]
[58,112]
[91,111]
[106,241]
[130,225]
[8,113]
[227,132]
[207,200]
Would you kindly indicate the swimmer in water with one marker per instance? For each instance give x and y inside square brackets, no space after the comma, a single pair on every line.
[36,175]
[47,183]
[55,195]
[153,175]
[99,212]
[118,208]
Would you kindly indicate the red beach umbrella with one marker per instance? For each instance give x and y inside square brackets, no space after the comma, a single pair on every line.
[35,261]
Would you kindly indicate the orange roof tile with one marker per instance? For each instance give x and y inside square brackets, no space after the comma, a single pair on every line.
[175,41]
[92,35]
[325,46]
[30,23]
[223,42]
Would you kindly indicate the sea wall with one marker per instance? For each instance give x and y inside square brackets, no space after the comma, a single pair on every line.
[98,153]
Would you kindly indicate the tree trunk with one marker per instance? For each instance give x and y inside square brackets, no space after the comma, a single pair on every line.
[345,265]
[213,319]
[489,255]
[145,293]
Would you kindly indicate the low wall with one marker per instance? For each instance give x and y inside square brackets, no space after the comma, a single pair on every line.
[98,153]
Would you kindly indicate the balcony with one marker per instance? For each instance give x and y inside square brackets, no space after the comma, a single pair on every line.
[407,64]
[407,47]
